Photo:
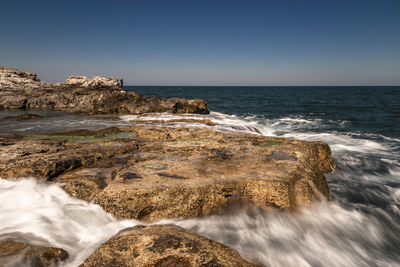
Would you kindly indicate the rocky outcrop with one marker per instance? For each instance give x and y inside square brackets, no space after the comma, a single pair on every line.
[14,253]
[163,245]
[23,90]
[96,81]
[15,78]
[148,172]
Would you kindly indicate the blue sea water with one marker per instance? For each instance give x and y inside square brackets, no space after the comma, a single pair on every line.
[359,226]
[355,109]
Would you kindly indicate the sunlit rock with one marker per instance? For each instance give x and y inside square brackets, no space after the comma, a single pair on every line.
[98,95]
[163,245]
[149,172]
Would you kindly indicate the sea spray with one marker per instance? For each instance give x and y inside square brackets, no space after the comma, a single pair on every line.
[49,216]
[323,235]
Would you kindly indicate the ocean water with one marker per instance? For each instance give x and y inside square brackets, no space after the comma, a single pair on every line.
[359,226]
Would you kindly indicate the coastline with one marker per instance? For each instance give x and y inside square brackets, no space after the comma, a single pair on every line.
[153,172]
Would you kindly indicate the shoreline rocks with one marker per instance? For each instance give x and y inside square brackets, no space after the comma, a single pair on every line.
[13,253]
[148,172]
[163,245]
[24,90]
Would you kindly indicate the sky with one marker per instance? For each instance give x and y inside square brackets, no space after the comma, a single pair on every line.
[217,42]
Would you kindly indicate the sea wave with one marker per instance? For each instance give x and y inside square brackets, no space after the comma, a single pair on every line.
[326,234]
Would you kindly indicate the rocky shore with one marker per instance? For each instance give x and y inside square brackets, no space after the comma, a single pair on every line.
[24,90]
[149,172]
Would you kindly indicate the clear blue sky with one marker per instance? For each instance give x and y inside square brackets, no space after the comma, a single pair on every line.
[203,42]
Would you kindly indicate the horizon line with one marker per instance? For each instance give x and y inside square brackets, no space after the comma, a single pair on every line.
[131,85]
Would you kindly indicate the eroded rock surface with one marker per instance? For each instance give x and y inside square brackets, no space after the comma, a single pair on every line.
[96,81]
[149,172]
[24,90]
[13,254]
[163,245]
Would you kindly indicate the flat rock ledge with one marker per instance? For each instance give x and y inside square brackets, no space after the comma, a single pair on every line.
[148,172]
[163,245]
[24,90]
[13,254]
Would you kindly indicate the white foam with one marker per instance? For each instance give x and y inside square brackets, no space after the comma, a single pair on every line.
[324,235]
[47,211]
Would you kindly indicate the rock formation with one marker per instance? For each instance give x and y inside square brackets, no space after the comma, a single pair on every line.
[96,81]
[23,90]
[148,172]
[14,253]
[163,245]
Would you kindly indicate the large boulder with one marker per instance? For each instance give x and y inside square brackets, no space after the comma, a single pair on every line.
[163,245]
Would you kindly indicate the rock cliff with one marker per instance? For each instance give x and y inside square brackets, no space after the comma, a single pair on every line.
[24,90]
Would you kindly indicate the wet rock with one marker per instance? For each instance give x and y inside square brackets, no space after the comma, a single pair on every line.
[163,245]
[48,156]
[14,253]
[23,90]
[149,172]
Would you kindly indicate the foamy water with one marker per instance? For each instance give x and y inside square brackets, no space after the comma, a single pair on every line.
[359,227]
[51,217]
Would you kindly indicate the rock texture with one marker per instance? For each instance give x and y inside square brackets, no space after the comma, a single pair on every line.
[148,172]
[164,245]
[23,90]
[21,254]
[96,81]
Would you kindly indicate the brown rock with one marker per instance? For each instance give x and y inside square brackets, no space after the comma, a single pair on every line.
[21,254]
[47,156]
[148,172]
[163,245]
[23,90]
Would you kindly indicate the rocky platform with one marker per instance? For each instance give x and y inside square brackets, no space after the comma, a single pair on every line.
[24,90]
[149,172]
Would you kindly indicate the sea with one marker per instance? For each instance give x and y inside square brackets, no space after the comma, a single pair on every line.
[358,226]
